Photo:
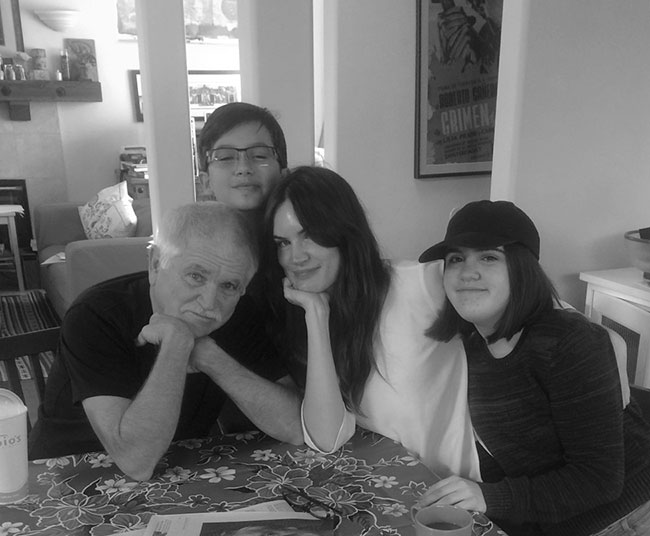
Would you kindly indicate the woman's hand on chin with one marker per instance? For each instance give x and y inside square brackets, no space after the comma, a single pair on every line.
[318,301]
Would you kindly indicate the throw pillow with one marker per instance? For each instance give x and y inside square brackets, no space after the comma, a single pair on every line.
[109,214]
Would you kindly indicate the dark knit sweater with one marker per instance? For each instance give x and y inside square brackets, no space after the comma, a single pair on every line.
[566,459]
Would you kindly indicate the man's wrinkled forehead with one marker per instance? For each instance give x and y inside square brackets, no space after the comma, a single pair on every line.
[229,249]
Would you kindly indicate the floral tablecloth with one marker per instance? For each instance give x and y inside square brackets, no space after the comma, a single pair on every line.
[372,481]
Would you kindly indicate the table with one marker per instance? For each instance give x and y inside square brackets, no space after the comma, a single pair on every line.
[8,217]
[372,480]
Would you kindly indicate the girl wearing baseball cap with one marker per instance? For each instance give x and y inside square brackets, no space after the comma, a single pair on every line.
[558,453]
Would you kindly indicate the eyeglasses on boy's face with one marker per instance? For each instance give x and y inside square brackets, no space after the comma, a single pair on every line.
[302,502]
[258,155]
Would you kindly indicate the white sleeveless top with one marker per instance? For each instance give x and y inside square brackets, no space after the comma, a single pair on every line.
[417,395]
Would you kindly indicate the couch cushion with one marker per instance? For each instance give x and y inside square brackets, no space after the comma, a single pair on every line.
[53,280]
[109,214]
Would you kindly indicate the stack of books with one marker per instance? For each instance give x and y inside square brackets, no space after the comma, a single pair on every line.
[134,170]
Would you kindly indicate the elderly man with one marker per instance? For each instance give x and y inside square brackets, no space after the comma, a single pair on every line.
[120,382]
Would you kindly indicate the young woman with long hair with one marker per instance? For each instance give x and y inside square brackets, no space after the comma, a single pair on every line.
[352,327]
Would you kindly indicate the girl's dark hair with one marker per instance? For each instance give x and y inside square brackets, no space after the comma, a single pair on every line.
[531,294]
[331,215]
[233,114]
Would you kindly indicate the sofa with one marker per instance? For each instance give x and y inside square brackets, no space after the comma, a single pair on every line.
[87,262]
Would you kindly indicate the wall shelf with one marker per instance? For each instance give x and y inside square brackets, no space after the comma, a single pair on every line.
[18,94]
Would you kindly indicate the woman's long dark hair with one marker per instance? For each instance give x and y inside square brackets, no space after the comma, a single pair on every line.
[531,294]
[330,214]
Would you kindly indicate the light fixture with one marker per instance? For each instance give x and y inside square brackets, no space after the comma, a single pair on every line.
[59,20]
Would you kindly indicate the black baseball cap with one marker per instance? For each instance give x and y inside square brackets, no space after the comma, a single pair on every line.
[486,225]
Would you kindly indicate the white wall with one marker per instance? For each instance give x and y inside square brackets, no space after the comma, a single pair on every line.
[575,155]
[370,124]
[276,50]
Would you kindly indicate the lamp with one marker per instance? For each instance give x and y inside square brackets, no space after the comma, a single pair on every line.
[59,20]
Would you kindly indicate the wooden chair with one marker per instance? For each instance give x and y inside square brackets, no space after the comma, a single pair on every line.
[29,344]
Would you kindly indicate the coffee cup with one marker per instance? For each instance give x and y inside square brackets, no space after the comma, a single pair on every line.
[442,520]
[13,448]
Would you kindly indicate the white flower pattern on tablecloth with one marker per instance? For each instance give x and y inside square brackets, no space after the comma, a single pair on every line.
[191,443]
[215,476]
[100,460]
[385,481]
[8,528]
[50,463]
[310,457]
[177,474]
[263,455]
[396,509]
[116,485]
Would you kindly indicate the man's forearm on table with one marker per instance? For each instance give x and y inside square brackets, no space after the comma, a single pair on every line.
[273,407]
[143,432]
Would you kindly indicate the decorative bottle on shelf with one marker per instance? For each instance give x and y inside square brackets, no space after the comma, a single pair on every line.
[20,72]
[65,65]
[10,74]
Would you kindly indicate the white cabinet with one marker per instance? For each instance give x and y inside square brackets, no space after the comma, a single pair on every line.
[620,300]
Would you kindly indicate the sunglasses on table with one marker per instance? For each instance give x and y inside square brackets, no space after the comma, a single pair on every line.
[302,502]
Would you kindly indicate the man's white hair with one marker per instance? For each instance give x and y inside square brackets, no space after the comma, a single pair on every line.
[209,221]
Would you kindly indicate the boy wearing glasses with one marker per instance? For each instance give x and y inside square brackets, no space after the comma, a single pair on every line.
[243,154]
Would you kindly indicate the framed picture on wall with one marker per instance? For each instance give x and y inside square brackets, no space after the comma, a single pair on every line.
[207,91]
[457,58]
[11,30]
[211,89]
[136,94]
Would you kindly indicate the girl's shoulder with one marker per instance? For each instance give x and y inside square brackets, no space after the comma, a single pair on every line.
[559,331]
[416,280]
[567,321]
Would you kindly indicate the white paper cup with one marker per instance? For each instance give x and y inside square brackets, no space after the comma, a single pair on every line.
[13,448]
[442,520]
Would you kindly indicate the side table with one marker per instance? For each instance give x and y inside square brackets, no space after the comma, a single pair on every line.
[8,217]
[620,300]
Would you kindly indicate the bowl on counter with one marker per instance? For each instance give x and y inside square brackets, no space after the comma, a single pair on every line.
[638,250]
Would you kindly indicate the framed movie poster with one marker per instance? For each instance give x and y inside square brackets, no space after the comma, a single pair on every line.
[456,86]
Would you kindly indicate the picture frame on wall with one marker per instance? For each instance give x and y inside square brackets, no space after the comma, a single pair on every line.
[136,94]
[210,89]
[11,30]
[457,61]
[207,91]
[82,58]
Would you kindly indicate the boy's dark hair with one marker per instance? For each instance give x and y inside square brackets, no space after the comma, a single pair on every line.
[233,114]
